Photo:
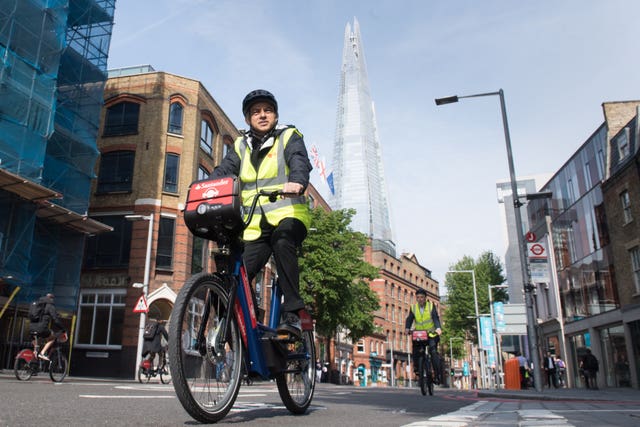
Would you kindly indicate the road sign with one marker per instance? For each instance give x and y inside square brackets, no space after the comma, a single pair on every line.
[141,305]
[537,251]
[530,236]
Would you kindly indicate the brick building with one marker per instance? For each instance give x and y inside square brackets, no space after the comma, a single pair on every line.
[396,286]
[158,133]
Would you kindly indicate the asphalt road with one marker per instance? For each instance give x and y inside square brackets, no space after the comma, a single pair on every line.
[82,402]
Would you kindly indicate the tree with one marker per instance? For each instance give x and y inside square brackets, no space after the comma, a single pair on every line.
[460,314]
[334,276]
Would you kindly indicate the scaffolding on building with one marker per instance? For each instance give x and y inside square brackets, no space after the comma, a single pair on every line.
[53,68]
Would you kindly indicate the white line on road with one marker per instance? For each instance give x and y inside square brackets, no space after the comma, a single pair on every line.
[116,396]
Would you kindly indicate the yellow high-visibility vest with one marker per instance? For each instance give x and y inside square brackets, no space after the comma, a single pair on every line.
[271,175]
[423,320]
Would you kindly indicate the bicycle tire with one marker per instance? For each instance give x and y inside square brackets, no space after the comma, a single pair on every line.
[165,374]
[57,366]
[428,375]
[298,382]
[143,375]
[195,371]
[22,369]
[424,388]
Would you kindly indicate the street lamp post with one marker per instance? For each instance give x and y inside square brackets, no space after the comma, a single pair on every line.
[145,283]
[496,339]
[532,332]
[477,316]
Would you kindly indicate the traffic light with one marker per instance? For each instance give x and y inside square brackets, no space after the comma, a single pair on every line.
[453,372]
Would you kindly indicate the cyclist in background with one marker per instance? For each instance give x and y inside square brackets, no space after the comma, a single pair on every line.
[272,157]
[44,327]
[152,344]
[426,318]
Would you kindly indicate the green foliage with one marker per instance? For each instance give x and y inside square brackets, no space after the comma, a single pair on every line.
[460,313]
[334,277]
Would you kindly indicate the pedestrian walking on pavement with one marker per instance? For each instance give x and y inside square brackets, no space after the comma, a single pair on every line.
[590,366]
[550,369]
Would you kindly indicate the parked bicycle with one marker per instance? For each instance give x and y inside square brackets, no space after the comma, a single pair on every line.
[214,327]
[425,366]
[27,364]
[146,370]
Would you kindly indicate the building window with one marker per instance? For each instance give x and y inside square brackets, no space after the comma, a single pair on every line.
[625,201]
[112,249]
[101,318]
[122,119]
[202,173]
[164,255]
[622,143]
[175,118]
[635,265]
[171,169]
[116,172]
[206,137]
[361,346]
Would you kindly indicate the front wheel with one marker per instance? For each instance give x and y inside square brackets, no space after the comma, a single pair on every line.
[297,382]
[22,369]
[424,386]
[57,366]
[165,374]
[206,375]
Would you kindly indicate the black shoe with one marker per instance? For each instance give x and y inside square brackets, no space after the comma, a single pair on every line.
[290,325]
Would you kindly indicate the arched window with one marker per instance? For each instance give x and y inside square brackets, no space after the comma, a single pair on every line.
[176,112]
[122,119]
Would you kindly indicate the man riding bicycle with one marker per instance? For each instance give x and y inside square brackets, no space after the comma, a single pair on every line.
[426,318]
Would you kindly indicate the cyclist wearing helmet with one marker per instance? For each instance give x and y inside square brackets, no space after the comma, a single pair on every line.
[272,157]
[426,318]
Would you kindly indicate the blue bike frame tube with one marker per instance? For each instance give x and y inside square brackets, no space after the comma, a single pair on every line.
[274,313]
[254,346]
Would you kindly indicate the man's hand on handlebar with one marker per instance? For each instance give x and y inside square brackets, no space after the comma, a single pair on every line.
[292,189]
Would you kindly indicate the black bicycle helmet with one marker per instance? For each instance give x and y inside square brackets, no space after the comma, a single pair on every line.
[421,292]
[257,96]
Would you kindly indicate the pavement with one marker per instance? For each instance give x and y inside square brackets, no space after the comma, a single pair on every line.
[621,394]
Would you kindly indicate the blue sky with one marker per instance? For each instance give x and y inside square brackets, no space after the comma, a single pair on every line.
[557,62]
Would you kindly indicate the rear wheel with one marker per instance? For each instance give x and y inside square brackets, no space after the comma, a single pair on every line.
[22,369]
[297,383]
[57,366]
[143,375]
[206,380]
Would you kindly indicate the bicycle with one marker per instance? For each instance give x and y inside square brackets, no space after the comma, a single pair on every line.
[425,372]
[146,371]
[214,328]
[27,364]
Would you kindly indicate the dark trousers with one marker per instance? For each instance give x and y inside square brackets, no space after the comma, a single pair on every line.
[551,377]
[283,242]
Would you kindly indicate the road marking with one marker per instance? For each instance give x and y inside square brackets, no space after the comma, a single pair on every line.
[117,396]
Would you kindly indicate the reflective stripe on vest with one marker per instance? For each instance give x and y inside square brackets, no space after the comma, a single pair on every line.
[271,175]
[423,321]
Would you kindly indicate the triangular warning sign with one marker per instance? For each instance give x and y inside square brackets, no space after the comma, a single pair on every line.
[141,305]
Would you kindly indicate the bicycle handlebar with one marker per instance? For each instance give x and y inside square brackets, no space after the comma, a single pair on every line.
[272,195]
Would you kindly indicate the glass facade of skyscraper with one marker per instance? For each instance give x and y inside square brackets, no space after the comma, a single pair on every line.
[358,171]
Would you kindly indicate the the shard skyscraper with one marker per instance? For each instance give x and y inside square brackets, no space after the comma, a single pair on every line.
[357,161]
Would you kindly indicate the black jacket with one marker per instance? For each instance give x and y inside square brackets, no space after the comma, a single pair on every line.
[154,345]
[50,318]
